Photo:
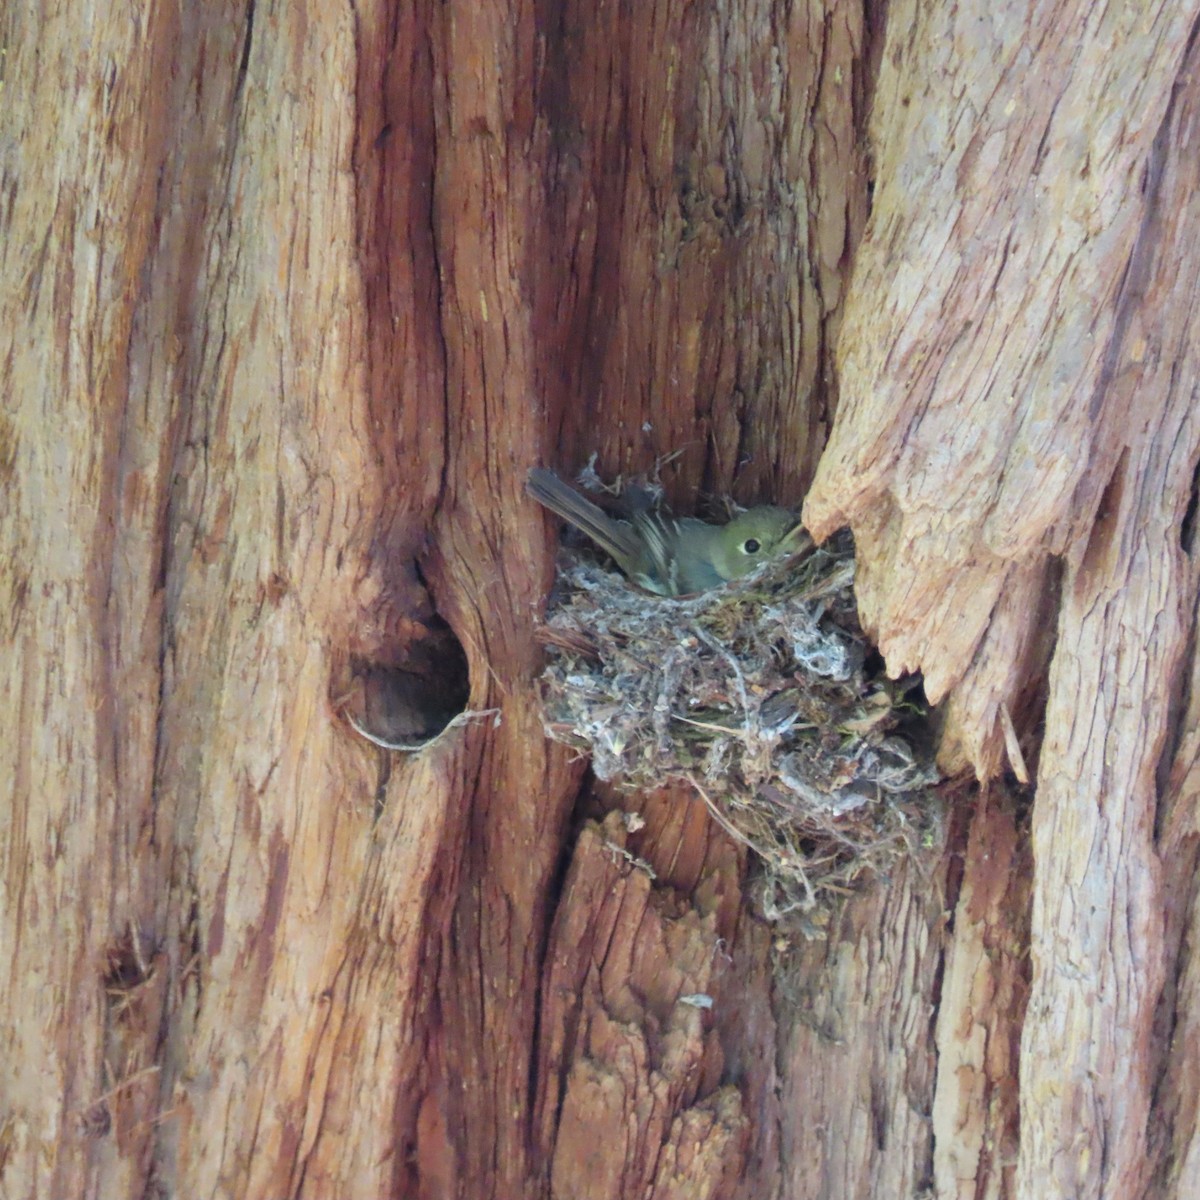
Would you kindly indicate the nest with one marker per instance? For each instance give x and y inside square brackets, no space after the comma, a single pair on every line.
[764,696]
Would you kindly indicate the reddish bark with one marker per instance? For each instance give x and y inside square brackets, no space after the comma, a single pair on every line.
[292,298]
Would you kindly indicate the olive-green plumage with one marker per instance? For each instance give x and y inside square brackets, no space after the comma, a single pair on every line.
[674,556]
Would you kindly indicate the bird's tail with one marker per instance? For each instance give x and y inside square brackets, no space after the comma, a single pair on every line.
[617,537]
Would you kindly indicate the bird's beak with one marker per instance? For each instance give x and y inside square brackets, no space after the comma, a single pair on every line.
[795,541]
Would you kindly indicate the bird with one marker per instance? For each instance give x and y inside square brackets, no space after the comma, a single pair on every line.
[674,556]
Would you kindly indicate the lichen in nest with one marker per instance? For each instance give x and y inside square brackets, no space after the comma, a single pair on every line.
[765,696]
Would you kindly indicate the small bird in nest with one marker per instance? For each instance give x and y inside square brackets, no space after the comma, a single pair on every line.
[675,556]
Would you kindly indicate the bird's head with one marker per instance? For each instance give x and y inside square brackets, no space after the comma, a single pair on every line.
[758,534]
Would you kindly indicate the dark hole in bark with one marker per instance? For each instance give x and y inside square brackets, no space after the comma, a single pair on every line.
[406,704]
[125,968]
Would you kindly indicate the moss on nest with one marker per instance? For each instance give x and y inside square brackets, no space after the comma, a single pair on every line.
[765,696]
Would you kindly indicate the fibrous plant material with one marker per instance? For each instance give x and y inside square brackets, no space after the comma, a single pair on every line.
[765,696]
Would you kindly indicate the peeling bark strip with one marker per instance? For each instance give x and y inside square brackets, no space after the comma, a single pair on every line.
[1019,380]
[1088,1052]
[985,988]
[976,431]
[632,1067]
[1174,1133]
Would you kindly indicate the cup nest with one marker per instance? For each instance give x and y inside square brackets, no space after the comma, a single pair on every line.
[765,696]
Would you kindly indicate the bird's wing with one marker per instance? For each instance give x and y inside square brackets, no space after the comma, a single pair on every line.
[694,570]
[658,538]
[617,537]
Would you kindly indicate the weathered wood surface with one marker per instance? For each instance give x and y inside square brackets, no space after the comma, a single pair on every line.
[291,298]
[1175,1129]
[1089,1051]
[977,432]
[1015,450]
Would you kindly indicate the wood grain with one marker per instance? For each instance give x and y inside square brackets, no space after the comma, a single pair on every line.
[976,432]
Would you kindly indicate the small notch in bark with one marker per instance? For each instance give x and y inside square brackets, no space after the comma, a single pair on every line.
[247,42]
[1106,525]
[126,970]
[1187,527]
[134,980]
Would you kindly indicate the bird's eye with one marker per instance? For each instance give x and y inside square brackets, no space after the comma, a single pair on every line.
[751,546]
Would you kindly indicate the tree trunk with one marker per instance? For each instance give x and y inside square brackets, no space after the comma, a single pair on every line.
[292,299]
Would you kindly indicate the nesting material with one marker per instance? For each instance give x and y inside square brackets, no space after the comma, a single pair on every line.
[766,698]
